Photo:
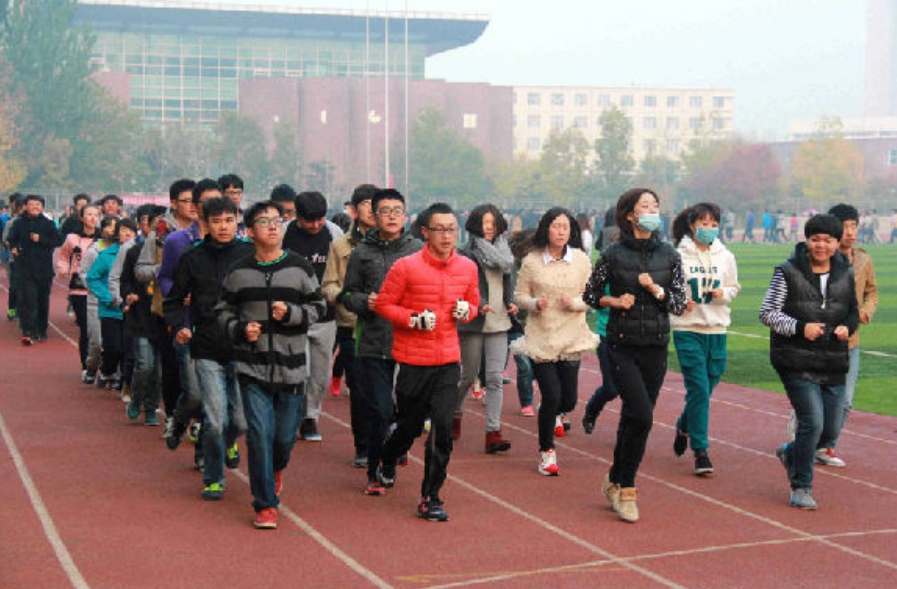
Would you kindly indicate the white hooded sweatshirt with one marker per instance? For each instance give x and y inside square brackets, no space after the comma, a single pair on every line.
[706,271]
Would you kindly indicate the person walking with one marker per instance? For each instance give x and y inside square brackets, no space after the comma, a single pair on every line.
[550,287]
[699,334]
[811,311]
[646,286]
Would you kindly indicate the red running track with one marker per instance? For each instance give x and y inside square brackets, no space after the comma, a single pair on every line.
[91,501]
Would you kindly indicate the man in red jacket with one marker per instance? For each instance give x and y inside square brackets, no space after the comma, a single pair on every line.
[424,296]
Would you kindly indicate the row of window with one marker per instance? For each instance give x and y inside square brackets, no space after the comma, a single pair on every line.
[625,100]
[648,145]
[169,103]
[202,116]
[581,122]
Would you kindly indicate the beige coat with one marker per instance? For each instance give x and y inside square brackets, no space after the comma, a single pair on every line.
[335,276]
[867,290]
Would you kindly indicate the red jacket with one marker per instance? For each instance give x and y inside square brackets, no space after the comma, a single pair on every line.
[419,282]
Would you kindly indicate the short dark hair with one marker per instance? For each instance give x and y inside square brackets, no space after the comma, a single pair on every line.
[684,220]
[218,206]
[114,197]
[260,207]
[386,194]
[109,220]
[80,196]
[36,197]
[311,205]
[845,212]
[179,186]
[204,185]
[127,223]
[156,212]
[144,211]
[283,193]
[824,224]
[362,193]
[626,204]
[474,222]
[342,220]
[229,180]
[15,197]
[540,239]
[437,208]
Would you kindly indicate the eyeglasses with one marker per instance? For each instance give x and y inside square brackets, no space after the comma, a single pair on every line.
[183,201]
[441,230]
[391,212]
[266,221]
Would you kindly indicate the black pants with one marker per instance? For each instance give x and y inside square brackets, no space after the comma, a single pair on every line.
[79,306]
[421,392]
[558,383]
[607,392]
[13,276]
[378,407]
[33,299]
[638,373]
[115,346]
[350,366]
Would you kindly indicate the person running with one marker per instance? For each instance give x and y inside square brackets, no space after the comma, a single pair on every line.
[519,242]
[331,286]
[550,287]
[749,227]
[811,311]
[367,268]
[15,212]
[425,296]
[485,339]
[68,261]
[72,223]
[699,334]
[200,274]
[32,239]
[646,286]
[268,302]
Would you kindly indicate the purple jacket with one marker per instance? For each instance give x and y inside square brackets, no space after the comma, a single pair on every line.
[175,244]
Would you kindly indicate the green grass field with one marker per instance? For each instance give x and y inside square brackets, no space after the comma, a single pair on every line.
[749,357]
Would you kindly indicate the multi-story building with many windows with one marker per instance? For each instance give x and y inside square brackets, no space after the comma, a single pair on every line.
[663,120]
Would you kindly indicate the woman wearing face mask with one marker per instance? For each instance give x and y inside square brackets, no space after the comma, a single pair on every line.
[699,334]
[646,286]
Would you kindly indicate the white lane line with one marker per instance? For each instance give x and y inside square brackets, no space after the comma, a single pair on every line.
[542,523]
[62,553]
[766,337]
[332,548]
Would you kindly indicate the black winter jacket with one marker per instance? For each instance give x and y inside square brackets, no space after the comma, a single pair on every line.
[34,258]
[139,318]
[507,295]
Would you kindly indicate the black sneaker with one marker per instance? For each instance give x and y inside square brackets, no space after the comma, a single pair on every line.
[361,459]
[680,444]
[403,459]
[232,456]
[176,431]
[703,466]
[588,422]
[199,462]
[374,487]
[431,510]
[387,474]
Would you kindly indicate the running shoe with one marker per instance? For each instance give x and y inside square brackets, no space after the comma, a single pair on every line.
[680,442]
[528,411]
[169,427]
[548,464]
[88,377]
[476,391]
[150,418]
[703,466]
[11,315]
[126,393]
[431,510]
[335,386]
[195,431]
[232,457]
[266,519]
[27,341]
[387,475]
[559,430]
[42,338]
[802,499]
[374,487]
[213,492]
[782,455]
[132,410]
[176,431]
[308,431]
[361,459]
[588,422]
[828,457]
[403,460]
[505,379]
[565,421]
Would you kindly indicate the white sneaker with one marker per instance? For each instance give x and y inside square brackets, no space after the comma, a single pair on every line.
[828,457]
[791,428]
[548,464]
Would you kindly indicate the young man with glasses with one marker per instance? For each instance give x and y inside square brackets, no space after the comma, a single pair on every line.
[266,336]
[424,296]
[232,189]
[367,267]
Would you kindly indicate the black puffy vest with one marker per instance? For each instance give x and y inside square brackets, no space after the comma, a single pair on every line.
[646,323]
[825,360]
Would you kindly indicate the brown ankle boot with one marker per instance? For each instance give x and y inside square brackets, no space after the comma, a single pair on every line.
[456,427]
[496,443]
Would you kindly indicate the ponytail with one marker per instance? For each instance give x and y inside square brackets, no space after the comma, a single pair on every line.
[684,220]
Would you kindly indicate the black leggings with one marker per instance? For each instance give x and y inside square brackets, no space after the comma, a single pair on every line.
[114,346]
[638,373]
[558,383]
[79,306]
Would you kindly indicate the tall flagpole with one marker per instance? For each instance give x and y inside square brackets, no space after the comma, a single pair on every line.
[407,147]
[386,94]
[367,88]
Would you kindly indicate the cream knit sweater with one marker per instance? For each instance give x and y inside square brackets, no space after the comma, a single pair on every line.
[556,333]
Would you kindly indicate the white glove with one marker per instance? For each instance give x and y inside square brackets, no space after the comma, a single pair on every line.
[461,311]
[425,320]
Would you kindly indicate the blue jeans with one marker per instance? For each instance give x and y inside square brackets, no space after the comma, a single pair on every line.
[223,415]
[819,409]
[147,377]
[380,410]
[607,391]
[850,386]
[524,375]
[271,422]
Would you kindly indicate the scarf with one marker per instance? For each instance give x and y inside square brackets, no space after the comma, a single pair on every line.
[495,255]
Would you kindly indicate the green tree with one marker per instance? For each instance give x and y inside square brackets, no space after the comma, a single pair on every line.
[12,168]
[516,182]
[564,168]
[55,163]
[240,149]
[321,176]
[615,163]
[286,161]
[827,168]
[660,174]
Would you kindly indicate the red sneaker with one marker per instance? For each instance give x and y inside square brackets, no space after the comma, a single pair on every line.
[559,430]
[476,391]
[266,519]
[335,385]
[528,411]
[278,482]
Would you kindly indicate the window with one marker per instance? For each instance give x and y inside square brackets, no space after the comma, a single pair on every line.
[719,124]
[672,102]
[694,123]
[534,121]
[719,102]
[672,123]
[580,122]
[557,99]
[892,157]
[534,99]
[626,100]
[581,100]
[557,122]
[603,100]
[534,144]
[650,101]
[649,145]
[673,146]
[695,102]
[649,123]
[470,121]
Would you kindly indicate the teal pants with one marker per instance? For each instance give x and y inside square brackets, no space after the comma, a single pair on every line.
[702,358]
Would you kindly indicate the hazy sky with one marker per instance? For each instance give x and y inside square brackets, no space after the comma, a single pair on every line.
[785,59]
